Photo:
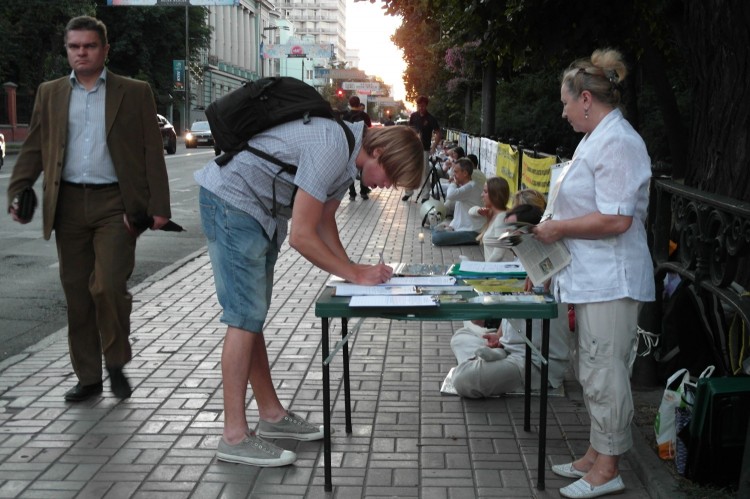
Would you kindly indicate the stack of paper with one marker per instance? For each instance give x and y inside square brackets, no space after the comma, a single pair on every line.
[480,270]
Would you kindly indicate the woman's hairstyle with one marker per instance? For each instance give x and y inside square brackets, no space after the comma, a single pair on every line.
[529,196]
[87,23]
[465,165]
[527,213]
[473,158]
[460,153]
[498,191]
[402,154]
[601,75]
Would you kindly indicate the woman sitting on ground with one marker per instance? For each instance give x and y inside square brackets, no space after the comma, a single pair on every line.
[495,196]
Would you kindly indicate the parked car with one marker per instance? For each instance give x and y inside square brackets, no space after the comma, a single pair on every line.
[168,135]
[2,150]
[199,135]
[402,121]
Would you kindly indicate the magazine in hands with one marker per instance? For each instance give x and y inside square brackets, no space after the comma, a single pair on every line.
[541,261]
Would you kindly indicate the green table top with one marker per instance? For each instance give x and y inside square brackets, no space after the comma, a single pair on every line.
[330,306]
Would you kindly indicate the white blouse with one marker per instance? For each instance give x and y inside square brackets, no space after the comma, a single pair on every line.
[610,173]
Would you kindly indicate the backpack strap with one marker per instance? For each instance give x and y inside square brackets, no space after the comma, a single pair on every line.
[224,158]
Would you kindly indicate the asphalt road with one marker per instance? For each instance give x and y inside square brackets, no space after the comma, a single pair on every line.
[32,305]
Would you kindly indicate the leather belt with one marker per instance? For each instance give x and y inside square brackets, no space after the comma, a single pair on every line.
[90,186]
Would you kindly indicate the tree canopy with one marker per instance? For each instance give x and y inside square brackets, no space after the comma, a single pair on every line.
[685,59]
[143,40]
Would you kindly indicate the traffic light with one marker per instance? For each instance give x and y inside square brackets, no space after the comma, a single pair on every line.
[340,93]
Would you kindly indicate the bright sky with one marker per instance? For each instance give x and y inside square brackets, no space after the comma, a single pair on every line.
[369,29]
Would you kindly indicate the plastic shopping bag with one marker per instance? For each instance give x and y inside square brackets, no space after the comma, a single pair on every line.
[679,393]
[664,425]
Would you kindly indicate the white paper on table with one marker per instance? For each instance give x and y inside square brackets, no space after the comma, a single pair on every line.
[491,267]
[433,280]
[346,289]
[393,301]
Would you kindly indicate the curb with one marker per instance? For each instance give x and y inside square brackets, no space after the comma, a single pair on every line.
[60,334]
[659,483]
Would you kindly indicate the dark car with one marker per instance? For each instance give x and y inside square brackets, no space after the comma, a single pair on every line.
[199,135]
[168,135]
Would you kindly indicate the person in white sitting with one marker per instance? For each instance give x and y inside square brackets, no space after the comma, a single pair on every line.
[465,193]
[490,362]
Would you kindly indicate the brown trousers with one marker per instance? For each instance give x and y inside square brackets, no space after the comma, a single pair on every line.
[97,256]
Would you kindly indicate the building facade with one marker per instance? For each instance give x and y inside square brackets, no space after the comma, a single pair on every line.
[240,34]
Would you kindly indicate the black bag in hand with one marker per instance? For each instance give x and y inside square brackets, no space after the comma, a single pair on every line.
[26,204]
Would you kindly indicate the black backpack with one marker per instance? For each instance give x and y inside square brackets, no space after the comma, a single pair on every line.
[262,104]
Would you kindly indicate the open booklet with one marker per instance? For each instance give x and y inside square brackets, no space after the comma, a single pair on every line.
[541,261]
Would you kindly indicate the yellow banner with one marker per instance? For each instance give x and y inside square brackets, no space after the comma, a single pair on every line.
[507,165]
[536,173]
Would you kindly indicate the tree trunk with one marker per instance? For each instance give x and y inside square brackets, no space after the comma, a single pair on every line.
[718,47]
[654,67]
[489,88]
[468,105]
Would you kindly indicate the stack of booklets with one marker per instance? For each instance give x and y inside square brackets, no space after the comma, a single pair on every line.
[485,270]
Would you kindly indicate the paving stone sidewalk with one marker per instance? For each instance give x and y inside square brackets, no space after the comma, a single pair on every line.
[408,440]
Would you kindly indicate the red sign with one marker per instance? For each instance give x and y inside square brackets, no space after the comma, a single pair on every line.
[297,51]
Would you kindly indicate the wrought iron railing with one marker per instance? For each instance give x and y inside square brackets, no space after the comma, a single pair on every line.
[712,234]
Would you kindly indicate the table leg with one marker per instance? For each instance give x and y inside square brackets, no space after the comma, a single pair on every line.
[527,384]
[543,407]
[326,408]
[347,390]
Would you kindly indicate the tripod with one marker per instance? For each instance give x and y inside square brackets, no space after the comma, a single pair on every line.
[436,189]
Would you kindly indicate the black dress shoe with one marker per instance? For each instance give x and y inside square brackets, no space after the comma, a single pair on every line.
[119,383]
[405,198]
[80,392]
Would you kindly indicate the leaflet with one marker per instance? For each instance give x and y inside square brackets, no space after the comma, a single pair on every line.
[386,301]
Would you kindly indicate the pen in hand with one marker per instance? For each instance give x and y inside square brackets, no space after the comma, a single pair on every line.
[381,261]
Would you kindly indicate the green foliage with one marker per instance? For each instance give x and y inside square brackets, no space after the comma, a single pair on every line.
[32,34]
[143,41]
[529,110]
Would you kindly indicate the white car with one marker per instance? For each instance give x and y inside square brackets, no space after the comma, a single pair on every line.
[2,150]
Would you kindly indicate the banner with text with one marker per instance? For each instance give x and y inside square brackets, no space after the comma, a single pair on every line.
[536,173]
[292,50]
[507,165]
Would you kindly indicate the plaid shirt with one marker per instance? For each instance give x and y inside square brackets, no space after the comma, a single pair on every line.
[324,170]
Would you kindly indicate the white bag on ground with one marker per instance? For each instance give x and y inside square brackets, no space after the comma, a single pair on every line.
[664,425]
[679,392]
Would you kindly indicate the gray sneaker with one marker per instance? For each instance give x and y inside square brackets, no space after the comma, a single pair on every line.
[256,452]
[290,426]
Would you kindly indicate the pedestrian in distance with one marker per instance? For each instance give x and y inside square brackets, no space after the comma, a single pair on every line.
[246,207]
[357,113]
[426,125]
[95,138]
[598,209]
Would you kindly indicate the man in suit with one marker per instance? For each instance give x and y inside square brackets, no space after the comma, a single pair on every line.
[94,137]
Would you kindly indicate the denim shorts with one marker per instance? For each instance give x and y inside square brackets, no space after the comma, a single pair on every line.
[242,258]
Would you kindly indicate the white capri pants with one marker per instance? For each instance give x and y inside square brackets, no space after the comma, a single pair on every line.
[607,340]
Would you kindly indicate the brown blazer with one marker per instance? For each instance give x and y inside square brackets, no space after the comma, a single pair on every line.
[133,139]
